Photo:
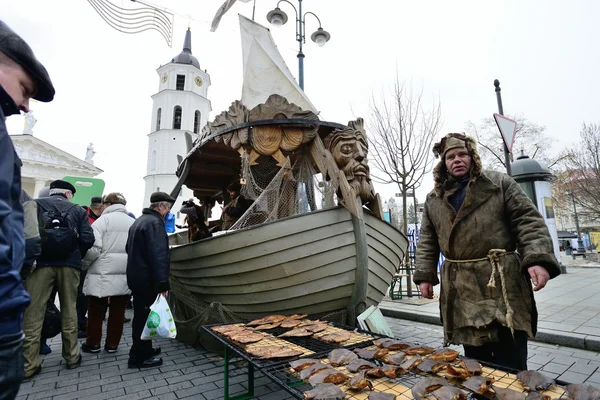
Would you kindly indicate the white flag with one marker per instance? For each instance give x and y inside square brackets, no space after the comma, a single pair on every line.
[220,12]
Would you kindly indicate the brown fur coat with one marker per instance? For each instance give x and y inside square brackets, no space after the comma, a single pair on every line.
[496,214]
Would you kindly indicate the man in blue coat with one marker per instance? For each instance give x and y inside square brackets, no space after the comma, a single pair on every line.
[22,77]
[147,273]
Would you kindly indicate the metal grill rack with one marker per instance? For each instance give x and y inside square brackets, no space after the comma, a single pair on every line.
[309,345]
[401,386]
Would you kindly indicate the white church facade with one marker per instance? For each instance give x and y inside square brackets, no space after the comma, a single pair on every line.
[44,163]
[180,109]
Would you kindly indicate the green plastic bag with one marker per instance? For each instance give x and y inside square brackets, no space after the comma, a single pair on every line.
[160,321]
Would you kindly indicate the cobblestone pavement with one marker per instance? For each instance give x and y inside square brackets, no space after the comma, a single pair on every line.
[192,372]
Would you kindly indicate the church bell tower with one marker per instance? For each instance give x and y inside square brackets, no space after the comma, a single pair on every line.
[180,109]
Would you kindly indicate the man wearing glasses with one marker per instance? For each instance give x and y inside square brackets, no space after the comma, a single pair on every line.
[147,273]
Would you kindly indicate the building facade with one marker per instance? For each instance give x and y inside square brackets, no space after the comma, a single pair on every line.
[180,109]
[44,163]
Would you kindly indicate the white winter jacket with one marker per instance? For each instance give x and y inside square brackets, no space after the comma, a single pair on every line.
[107,259]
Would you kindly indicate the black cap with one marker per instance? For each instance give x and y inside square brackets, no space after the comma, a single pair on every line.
[16,49]
[96,200]
[157,197]
[62,185]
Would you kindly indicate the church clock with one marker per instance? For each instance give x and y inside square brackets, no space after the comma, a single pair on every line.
[198,81]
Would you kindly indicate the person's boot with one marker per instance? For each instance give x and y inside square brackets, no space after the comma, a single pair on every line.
[44,348]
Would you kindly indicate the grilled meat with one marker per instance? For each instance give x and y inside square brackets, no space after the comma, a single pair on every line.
[583,392]
[290,323]
[269,352]
[312,369]
[533,380]
[479,384]
[365,354]
[381,396]
[445,354]
[328,375]
[449,393]
[335,337]
[410,363]
[431,366]
[359,382]
[339,357]
[427,385]
[358,364]
[303,363]
[395,359]
[420,350]
[298,332]
[325,391]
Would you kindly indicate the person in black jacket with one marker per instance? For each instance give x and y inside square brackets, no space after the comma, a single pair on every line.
[56,267]
[147,273]
[22,77]
[235,208]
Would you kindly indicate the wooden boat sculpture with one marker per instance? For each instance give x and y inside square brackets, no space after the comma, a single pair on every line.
[294,250]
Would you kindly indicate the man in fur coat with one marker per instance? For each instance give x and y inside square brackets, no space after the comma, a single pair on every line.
[496,245]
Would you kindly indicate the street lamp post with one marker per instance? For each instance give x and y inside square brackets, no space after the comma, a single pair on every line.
[278,18]
[580,247]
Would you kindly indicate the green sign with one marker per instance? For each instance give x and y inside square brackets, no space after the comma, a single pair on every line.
[85,189]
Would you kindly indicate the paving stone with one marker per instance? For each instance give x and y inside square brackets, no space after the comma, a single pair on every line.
[145,386]
[163,375]
[171,388]
[196,390]
[126,383]
[573,377]
[563,360]
[583,368]
[144,394]
[554,368]
[186,377]
[37,388]
[106,395]
[80,393]
[594,378]
[88,383]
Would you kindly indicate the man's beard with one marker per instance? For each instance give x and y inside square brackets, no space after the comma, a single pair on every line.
[362,188]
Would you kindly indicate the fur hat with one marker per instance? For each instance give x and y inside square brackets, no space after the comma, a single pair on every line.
[453,141]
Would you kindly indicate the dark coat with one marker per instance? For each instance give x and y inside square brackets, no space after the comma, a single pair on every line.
[13,296]
[78,218]
[233,211]
[496,214]
[148,254]
[32,234]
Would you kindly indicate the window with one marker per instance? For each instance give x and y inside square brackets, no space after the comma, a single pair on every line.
[158,113]
[177,117]
[197,122]
[180,82]
[153,161]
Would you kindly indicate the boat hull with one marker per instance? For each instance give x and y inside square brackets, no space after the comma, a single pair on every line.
[303,264]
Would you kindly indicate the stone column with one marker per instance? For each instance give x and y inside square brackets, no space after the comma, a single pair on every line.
[39,185]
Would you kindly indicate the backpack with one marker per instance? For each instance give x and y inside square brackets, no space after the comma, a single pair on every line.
[58,238]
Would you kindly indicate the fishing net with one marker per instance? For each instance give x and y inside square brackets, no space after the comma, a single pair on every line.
[190,313]
[282,191]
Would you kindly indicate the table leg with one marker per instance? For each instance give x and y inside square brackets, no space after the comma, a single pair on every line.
[244,396]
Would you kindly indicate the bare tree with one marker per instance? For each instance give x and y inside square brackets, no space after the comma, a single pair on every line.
[582,170]
[530,139]
[401,134]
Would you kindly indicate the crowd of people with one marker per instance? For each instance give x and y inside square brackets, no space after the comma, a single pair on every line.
[95,257]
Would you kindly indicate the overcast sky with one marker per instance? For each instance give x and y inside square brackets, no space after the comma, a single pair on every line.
[543,52]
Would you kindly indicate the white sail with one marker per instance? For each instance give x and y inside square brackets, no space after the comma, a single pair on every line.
[265,72]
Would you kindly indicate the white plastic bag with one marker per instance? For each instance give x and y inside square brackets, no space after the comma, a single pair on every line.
[160,321]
